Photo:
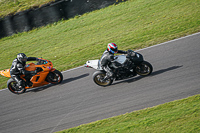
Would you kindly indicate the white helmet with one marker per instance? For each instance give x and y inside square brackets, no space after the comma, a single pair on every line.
[21,57]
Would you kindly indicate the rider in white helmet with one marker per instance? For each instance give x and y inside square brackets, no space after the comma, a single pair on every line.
[18,68]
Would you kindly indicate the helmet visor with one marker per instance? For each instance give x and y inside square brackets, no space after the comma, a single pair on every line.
[23,59]
[114,49]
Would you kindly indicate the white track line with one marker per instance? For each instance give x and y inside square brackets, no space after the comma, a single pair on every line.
[169,41]
[137,50]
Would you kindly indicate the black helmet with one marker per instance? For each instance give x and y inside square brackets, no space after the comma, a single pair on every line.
[22,57]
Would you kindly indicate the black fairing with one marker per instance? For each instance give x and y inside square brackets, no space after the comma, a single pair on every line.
[127,69]
[137,59]
[115,65]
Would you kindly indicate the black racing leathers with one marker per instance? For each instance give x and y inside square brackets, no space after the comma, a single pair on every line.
[18,68]
[106,59]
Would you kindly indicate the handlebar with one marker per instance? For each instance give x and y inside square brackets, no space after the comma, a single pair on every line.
[42,62]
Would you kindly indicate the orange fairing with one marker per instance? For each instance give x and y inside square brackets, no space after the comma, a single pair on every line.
[46,66]
[5,73]
[40,78]
[45,74]
[30,67]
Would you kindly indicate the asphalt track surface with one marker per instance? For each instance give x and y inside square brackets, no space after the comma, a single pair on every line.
[78,100]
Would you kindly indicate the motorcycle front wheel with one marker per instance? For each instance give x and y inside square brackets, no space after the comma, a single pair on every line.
[55,77]
[14,88]
[98,78]
[144,69]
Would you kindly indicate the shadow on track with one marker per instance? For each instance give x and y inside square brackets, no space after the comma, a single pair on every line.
[74,78]
[165,70]
[153,74]
[63,82]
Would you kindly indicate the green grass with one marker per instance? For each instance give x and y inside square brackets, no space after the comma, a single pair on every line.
[133,25]
[181,116]
[10,7]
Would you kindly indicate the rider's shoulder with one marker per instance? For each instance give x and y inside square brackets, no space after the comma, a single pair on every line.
[15,61]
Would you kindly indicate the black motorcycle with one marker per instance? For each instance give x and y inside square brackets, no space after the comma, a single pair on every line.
[123,66]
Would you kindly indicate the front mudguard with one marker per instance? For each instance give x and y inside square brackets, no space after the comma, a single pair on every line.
[53,69]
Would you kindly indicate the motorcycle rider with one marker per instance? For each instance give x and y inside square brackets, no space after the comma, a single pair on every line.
[18,68]
[108,56]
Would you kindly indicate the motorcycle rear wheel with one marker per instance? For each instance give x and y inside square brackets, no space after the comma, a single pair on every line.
[144,69]
[55,77]
[98,77]
[14,88]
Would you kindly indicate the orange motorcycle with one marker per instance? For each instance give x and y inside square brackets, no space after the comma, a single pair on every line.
[45,74]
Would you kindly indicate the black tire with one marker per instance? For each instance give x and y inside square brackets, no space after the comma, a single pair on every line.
[144,69]
[55,77]
[98,76]
[13,87]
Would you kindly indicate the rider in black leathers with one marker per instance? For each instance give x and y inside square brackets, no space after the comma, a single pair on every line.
[108,56]
[18,68]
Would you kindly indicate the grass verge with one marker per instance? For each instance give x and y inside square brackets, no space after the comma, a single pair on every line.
[133,25]
[181,116]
